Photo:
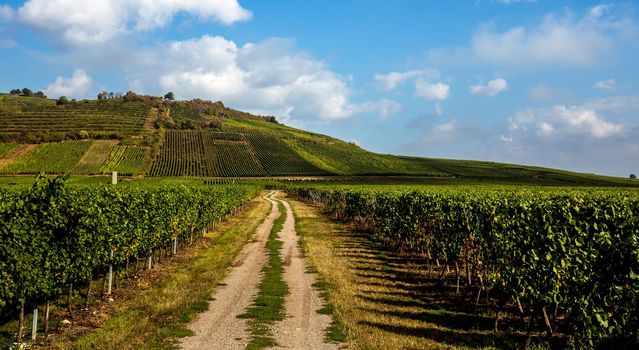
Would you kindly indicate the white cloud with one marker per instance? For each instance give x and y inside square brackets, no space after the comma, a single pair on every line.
[609,85]
[8,44]
[79,22]
[6,13]
[432,91]
[269,77]
[392,80]
[493,87]
[566,120]
[561,38]
[75,86]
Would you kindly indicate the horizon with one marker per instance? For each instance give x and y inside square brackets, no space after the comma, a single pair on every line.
[545,83]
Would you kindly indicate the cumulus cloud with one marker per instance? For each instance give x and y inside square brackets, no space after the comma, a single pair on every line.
[392,80]
[432,91]
[77,85]
[566,120]
[608,85]
[491,89]
[269,77]
[78,22]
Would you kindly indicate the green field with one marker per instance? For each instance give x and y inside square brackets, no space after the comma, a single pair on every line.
[52,158]
[126,160]
[37,119]
[6,148]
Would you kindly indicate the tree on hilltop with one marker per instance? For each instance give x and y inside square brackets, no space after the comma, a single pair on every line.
[169,96]
[62,101]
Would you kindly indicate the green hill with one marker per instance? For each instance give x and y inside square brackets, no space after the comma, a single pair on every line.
[145,135]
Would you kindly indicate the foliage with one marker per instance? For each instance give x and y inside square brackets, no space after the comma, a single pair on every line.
[52,235]
[576,251]
[62,101]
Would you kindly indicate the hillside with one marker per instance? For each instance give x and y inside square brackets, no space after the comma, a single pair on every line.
[147,136]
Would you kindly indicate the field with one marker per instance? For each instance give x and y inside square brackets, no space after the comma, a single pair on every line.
[565,257]
[126,160]
[215,154]
[53,158]
[21,117]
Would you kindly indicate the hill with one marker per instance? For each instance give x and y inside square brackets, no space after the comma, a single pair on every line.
[148,136]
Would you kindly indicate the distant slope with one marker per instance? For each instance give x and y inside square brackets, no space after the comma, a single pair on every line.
[198,138]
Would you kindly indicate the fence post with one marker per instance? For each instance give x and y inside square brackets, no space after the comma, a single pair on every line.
[174,246]
[114,178]
[110,273]
[34,327]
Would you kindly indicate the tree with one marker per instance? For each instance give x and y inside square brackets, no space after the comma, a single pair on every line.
[633,176]
[40,94]
[27,92]
[62,101]
[169,96]
[15,92]
[83,134]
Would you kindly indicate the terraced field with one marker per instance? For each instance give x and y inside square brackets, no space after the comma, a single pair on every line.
[30,115]
[52,158]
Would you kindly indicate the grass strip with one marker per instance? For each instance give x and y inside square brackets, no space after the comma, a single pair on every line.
[157,317]
[268,306]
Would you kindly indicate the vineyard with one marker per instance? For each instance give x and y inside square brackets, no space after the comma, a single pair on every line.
[52,158]
[126,160]
[94,157]
[203,153]
[279,159]
[19,116]
[568,259]
[54,237]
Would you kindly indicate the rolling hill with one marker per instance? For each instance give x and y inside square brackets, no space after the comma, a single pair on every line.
[147,136]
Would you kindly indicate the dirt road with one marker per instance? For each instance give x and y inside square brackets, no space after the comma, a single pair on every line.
[303,328]
[220,327]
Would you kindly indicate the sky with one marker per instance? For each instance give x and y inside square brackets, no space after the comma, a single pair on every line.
[547,82]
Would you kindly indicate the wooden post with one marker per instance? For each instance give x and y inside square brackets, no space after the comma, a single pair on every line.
[109,286]
[114,178]
[34,326]
[174,246]
[46,319]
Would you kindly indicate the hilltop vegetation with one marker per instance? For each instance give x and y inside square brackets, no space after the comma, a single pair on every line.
[157,136]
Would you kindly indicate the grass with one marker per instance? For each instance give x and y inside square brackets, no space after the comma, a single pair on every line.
[385,301]
[268,306]
[158,316]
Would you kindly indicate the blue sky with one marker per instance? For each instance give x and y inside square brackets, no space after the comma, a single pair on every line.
[552,83]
